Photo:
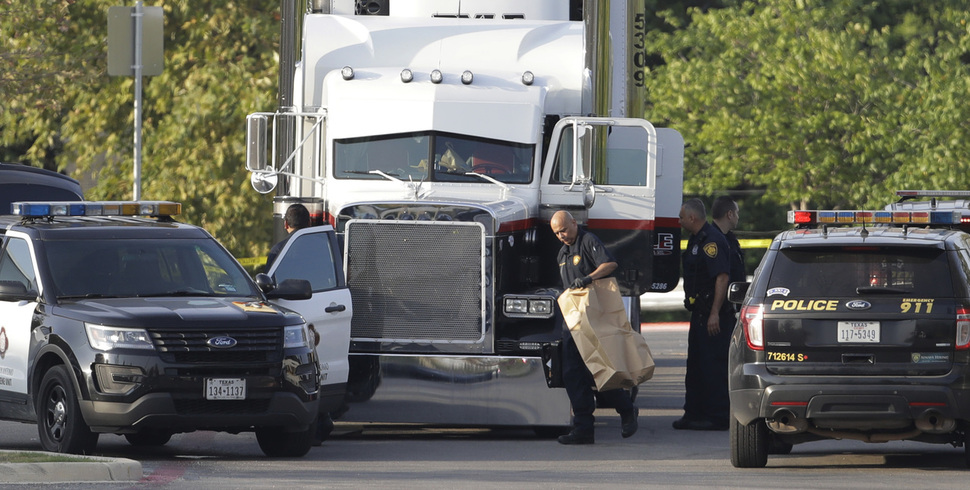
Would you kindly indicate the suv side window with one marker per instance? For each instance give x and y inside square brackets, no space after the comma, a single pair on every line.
[16,264]
[309,257]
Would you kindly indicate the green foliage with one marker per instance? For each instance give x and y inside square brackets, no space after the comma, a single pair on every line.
[827,103]
[220,64]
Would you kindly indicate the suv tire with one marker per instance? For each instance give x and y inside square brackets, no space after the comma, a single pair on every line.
[59,423]
[277,443]
[749,444]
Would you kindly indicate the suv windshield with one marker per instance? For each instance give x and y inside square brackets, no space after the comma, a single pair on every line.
[125,268]
[860,270]
[406,157]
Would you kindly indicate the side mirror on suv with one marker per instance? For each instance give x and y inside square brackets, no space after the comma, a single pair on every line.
[16,291]
[291,289]
[737,290]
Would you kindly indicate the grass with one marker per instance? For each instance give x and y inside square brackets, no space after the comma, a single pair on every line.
[38,457]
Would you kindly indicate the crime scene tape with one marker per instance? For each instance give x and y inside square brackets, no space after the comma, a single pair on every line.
[746,243]
[252,261]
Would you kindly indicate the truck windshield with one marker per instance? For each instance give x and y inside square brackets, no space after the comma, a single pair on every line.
[406,157]
[125,268]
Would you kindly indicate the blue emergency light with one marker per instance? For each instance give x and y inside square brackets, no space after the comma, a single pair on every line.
[45,209]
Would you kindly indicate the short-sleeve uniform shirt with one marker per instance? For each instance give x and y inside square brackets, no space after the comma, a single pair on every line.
[706,257]
[582,257]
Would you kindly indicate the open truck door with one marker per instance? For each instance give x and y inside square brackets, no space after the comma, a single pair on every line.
[622,179]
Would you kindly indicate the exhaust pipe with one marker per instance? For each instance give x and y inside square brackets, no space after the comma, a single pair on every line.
[932,422]
[785,422]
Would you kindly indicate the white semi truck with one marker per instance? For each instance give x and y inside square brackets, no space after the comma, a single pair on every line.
[437,138]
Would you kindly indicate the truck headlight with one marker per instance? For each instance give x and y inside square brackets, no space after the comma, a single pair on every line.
[528,306]
[106,338]
[296,336]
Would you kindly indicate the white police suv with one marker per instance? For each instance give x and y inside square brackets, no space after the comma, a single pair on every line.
[856,326]
[114,318]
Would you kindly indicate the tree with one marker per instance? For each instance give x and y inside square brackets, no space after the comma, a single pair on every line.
[220,64]
[816,101]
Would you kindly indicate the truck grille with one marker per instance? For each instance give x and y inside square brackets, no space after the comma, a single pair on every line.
[416,281]
[252,345]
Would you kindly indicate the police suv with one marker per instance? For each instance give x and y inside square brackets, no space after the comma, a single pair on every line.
[855,326]
[114,318]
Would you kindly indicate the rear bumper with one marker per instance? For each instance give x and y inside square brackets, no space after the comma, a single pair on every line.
[863,403]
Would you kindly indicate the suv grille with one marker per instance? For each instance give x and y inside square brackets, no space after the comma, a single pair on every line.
[416,281]
[252,345]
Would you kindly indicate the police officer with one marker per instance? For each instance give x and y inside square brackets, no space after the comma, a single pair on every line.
[297,217]
[706,275]
[724,211]
[582,259]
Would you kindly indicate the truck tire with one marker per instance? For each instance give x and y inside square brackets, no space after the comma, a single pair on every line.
[277,443]
[749,444]
[59,422]
[149,438]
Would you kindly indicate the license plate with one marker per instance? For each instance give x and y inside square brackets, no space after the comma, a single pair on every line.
[225,389]
[859,332]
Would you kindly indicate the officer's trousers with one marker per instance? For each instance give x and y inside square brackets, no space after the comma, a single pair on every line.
[579,387]
[706,383]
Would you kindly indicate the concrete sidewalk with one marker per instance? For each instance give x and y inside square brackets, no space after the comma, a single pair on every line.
[95,469]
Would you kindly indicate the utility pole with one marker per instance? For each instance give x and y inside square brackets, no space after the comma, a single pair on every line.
[128,29]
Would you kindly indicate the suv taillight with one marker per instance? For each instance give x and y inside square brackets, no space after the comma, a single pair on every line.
[752,321]
[963,329]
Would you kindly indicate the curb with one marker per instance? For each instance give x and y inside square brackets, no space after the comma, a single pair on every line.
[98,469]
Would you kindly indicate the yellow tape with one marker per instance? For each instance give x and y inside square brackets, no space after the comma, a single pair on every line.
[746,243]
[252,261]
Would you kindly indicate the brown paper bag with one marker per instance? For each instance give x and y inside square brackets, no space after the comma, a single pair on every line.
[617,356]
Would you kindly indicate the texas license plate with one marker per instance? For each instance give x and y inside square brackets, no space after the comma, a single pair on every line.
[225,389]
[855,332]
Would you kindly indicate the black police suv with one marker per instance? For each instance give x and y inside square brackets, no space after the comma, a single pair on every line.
[855,326]
[143,326]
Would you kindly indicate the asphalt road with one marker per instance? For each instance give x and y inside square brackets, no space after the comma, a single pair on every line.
[656,457]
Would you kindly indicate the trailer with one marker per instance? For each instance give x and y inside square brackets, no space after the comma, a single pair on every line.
[438,138]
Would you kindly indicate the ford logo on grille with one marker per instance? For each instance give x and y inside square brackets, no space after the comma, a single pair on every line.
[221,342]
[858,304]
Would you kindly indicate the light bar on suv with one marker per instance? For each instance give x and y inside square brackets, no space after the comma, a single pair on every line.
[816,217]
[43,209]
[911,194]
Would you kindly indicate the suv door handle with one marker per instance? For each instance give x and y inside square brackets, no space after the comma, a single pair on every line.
[333,308]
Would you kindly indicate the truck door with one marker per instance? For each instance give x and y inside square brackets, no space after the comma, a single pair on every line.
[623,179]
[313,254]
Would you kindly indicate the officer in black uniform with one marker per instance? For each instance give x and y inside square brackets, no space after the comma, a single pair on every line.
[583,258]
[706,275]
[724,212]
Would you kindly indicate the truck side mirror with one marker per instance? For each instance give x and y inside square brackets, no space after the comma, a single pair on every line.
[256,125]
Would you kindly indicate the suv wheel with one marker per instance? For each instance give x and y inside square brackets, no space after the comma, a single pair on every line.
[276,443]
[59,423]
[749,444]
